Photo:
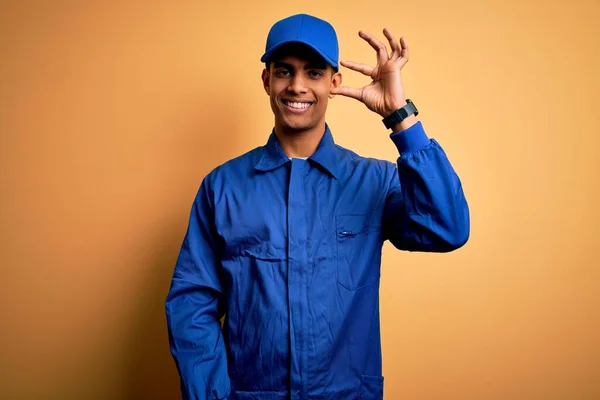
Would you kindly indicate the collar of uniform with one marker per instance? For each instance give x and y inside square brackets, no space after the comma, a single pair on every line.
[326,154]
[273,155]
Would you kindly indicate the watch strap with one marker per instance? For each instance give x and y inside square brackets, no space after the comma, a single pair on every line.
[400,114]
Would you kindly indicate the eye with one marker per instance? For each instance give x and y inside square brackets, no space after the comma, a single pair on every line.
[282,72]
[314,73]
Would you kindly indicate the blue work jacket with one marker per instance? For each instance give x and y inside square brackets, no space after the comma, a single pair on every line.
[288,251]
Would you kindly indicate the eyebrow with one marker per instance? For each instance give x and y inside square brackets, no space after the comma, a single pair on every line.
[309,65]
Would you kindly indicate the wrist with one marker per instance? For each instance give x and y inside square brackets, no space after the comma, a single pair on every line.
[402,117]
[392,108]
[405,124]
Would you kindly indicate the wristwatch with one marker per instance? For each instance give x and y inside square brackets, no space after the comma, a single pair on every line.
[400,114]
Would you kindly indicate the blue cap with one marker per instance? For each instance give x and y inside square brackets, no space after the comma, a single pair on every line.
[303,28]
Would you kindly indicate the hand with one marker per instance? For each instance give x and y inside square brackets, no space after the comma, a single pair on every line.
[385,94]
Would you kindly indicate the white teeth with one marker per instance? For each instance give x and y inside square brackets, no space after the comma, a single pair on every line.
[298,105]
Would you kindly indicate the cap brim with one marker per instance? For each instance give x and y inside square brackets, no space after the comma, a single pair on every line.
[266,57]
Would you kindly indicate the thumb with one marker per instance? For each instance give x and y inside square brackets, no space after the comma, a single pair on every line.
[346,91]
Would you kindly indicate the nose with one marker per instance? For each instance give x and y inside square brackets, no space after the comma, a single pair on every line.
[297,84]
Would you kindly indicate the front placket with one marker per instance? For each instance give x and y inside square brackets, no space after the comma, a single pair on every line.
[297,290]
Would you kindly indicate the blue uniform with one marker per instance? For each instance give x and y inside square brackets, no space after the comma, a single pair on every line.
[289,251]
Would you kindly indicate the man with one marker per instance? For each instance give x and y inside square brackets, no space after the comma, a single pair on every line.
[285,241]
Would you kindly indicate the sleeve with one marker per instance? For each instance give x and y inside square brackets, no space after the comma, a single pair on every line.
[425,207]
[194,307]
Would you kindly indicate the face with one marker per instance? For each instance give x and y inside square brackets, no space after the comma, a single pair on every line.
[299,81]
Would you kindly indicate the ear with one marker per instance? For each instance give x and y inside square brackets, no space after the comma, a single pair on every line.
[336,82]
[265,80]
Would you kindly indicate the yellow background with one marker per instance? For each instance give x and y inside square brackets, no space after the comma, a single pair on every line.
[112,112]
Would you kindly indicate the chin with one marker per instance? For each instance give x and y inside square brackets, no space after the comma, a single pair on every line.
[299,127]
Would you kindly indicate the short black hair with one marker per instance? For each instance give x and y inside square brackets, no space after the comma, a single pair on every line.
[301,50]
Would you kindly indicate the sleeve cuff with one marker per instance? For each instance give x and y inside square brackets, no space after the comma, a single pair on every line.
[410,140]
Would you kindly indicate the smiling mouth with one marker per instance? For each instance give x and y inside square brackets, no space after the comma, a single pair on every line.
[297,105]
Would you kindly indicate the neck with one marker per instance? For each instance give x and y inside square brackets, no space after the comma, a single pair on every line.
[299,143]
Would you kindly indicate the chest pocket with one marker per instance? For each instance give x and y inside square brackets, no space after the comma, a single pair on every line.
[358,241]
